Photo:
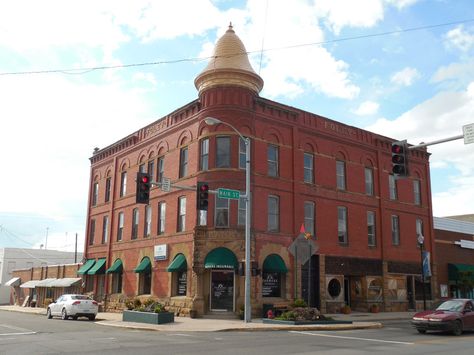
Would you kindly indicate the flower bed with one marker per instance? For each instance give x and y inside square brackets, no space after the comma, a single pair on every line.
[150,312]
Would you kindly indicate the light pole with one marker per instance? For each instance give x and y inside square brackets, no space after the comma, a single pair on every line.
[421,241]
[248,308]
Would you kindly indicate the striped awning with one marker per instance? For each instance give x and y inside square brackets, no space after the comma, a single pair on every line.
[13,282]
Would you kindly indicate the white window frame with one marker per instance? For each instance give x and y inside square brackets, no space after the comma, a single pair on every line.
[369,181]
[120,226]
[341,174]
[273,164]
[105,229]
[135,222]
[181,214]
[273,216]
[417,192]
[241,212]
[204,154]
[342,235]
[123,183]
[392,186]
[221,217]
[161,217]
[371,229]
[308,168]
[148,212]
[309,217]
[223,152]
[395,221]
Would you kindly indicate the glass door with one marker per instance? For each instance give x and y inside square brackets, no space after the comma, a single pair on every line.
[222,291]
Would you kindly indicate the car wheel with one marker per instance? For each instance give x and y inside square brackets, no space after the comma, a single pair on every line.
[421,331]
[48,313]
[457,328]
[64,315]
[92,317]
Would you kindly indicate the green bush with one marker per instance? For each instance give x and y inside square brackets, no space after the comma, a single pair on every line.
[149,302]
[159,308]
[299,303]
[301,314]
[136,303]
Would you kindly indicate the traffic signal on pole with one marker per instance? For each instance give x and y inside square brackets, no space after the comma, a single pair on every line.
[202,200]
[143,188]
[399,159]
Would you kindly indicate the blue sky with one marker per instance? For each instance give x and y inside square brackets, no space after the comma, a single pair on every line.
[323,56]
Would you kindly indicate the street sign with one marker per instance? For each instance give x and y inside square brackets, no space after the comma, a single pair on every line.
[468,132]
[165,184]
[303,248]
[228,193]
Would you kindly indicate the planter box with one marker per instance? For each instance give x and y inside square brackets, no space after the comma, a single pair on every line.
[304,322]
[148,317]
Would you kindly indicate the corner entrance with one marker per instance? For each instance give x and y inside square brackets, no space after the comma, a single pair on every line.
[222,290]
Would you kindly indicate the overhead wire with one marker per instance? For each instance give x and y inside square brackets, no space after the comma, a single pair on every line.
[85,70]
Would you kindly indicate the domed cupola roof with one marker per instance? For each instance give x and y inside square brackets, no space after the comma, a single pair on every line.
[229,66]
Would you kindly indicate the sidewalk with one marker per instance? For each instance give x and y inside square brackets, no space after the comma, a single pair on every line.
[185,324]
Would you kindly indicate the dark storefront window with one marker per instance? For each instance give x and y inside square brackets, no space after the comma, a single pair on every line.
[181,284]
[271,284]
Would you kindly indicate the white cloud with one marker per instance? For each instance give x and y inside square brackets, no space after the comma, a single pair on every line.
[460,38]
[341,13]
[455,71]
[367,108]
[441,117]
[405,77]
[401,4]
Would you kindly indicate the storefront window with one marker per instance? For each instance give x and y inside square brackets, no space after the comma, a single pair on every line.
[271,284]
[181,284]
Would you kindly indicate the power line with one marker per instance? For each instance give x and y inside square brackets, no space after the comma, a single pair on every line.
[85,70]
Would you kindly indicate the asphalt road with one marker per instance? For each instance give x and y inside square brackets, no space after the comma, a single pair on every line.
[22,333]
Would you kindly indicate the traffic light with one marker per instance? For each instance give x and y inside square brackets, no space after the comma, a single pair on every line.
[143,188]
[399,159]
[202,200]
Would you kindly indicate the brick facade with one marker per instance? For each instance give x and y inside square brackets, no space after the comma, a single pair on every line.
[355,264]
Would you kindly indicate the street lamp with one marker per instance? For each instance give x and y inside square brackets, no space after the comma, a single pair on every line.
[421,241]
[211,121]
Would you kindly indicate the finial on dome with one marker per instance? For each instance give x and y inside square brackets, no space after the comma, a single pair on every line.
[231,28]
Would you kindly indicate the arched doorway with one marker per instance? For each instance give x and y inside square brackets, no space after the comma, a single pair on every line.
[222,264]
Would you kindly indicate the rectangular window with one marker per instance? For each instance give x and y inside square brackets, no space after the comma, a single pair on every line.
[92,232]
[371,228]
[95,193]
[151,168]
[395,230]
[117,282]
[308,168]
[369,181]
[123,183]
[392,185]
[273,221]
[160,169]
[309,217]
[183,162]
[161,217]
[223,152]
[204,160]
[417,192]
[135,220]
[222,212]
[242,154]
[147,231]
[272,160]
[108,187]
[419,227]
[181,214]
[341,174]
[141,168]
[120,227]
[241,213]
[342,225]
[105,229]
[202,218]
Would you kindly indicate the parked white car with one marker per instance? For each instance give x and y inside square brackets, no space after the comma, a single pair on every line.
[74,306]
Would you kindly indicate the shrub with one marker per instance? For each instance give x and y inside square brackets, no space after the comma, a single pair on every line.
[159,308]
[129,304]
[136,303]
[148,302]
[47,301]
[301,314]
[299,303]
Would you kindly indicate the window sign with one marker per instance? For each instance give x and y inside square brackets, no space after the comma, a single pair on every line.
[161,252]
[182,283]
[271,284]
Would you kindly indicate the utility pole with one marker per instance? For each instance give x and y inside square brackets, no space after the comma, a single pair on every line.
[75,251]
[46,242]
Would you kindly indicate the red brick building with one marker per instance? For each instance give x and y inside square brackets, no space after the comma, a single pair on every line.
[454,240]
[306,169]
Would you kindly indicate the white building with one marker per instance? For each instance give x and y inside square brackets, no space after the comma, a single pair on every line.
[21,258]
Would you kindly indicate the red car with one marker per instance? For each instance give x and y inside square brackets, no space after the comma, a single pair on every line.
[453,315]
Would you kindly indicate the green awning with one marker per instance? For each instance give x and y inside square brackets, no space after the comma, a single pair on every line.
[98,268]
[274,263]
[85,267]
[178,264]
[221,258]
[116,268]
[144,266]
[457,272]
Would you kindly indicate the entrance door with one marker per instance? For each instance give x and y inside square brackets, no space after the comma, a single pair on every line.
[222,291]
[347,291]
[313,299]
[410,293]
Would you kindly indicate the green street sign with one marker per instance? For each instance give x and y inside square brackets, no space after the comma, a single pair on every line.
[228,193]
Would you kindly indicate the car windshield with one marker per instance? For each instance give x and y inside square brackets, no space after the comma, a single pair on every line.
[79,297]
[452,305]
